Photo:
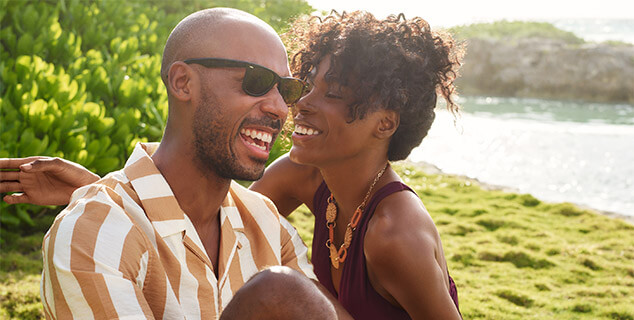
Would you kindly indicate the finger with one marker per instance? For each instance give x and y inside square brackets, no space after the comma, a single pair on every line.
[10,187]
[43,164]
[9,175]
[15,163]
[16,198]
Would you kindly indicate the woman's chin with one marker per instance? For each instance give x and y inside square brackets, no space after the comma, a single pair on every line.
[298,155]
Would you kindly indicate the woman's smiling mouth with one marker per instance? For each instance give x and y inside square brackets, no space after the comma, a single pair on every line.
[305,131]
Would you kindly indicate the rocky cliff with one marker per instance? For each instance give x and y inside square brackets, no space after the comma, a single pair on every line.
[548,68]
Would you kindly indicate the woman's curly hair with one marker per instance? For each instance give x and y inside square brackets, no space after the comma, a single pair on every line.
[394,64]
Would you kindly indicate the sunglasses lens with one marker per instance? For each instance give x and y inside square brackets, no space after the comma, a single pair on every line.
[291,89]
[258,81]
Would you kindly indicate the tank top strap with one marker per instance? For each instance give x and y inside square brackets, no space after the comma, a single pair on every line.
[386,190]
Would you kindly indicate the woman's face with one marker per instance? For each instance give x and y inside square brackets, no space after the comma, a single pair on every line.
[323,132]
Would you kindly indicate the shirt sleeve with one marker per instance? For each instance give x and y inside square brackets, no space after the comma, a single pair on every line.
[294,251]
[94,264]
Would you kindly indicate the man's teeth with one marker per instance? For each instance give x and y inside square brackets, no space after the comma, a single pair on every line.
[255,134]
[263,148]
[305,131]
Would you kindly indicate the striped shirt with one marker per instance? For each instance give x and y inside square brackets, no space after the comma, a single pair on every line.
[124,248]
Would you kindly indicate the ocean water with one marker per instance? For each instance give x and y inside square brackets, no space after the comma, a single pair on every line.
[557,151]
[599,30]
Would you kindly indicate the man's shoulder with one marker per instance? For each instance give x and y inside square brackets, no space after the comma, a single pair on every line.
[103,198]
[101,212]
[113,186]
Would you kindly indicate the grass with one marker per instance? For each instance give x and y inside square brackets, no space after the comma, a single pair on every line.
[511,255]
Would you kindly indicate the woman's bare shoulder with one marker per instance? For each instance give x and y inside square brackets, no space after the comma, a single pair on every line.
[288,184]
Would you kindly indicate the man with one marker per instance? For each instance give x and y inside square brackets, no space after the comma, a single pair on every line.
[171,236]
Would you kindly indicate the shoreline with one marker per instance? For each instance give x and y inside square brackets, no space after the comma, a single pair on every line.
[432,169]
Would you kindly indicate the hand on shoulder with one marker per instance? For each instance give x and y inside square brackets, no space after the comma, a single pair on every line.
[42,180]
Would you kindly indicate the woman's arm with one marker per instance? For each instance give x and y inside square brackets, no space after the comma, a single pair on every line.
[405,260]
[51,181]
[288,184]
[42,180]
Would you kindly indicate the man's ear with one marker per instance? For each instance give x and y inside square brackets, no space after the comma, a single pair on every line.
[388,123]
[179,81]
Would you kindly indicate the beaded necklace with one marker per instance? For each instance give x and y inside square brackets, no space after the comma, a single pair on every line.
[339,256]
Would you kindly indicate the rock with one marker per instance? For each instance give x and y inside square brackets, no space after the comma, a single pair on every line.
[548,68]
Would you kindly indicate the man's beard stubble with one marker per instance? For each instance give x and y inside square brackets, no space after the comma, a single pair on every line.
[212,143]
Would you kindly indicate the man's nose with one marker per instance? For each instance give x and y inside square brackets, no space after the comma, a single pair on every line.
[274,105]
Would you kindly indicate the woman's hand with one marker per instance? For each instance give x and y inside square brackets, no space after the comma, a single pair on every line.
[42,180]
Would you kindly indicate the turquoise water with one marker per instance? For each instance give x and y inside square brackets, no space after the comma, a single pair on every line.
[599,30]
[557,151]
[549,110]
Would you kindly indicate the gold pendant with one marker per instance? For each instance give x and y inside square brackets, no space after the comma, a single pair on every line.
[331,212]
[334,257]
[347,237]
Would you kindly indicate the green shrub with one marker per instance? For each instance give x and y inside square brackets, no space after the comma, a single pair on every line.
[80,79]
[20,297]
[514,30]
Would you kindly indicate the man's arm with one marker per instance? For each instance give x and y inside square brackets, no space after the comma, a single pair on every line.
[94,263]
[42,180]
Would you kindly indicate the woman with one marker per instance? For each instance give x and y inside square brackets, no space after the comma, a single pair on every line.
[372,101]
[374,89]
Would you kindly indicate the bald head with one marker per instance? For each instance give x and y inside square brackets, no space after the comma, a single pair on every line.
[205,33]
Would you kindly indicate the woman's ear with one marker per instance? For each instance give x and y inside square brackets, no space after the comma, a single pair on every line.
[179,81]
[388,123]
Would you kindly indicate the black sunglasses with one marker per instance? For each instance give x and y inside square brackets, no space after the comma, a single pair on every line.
[258,80]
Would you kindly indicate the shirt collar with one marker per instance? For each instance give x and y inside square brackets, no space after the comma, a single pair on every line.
[158,200]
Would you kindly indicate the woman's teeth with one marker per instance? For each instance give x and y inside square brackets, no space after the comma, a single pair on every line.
[305,131]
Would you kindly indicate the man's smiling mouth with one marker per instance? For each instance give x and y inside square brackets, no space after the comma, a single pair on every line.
[257,138]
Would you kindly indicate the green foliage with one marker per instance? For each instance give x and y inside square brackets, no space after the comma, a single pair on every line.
[513,30]
[80,79]
[20,297]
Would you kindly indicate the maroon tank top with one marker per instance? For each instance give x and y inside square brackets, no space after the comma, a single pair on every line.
[356,293]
